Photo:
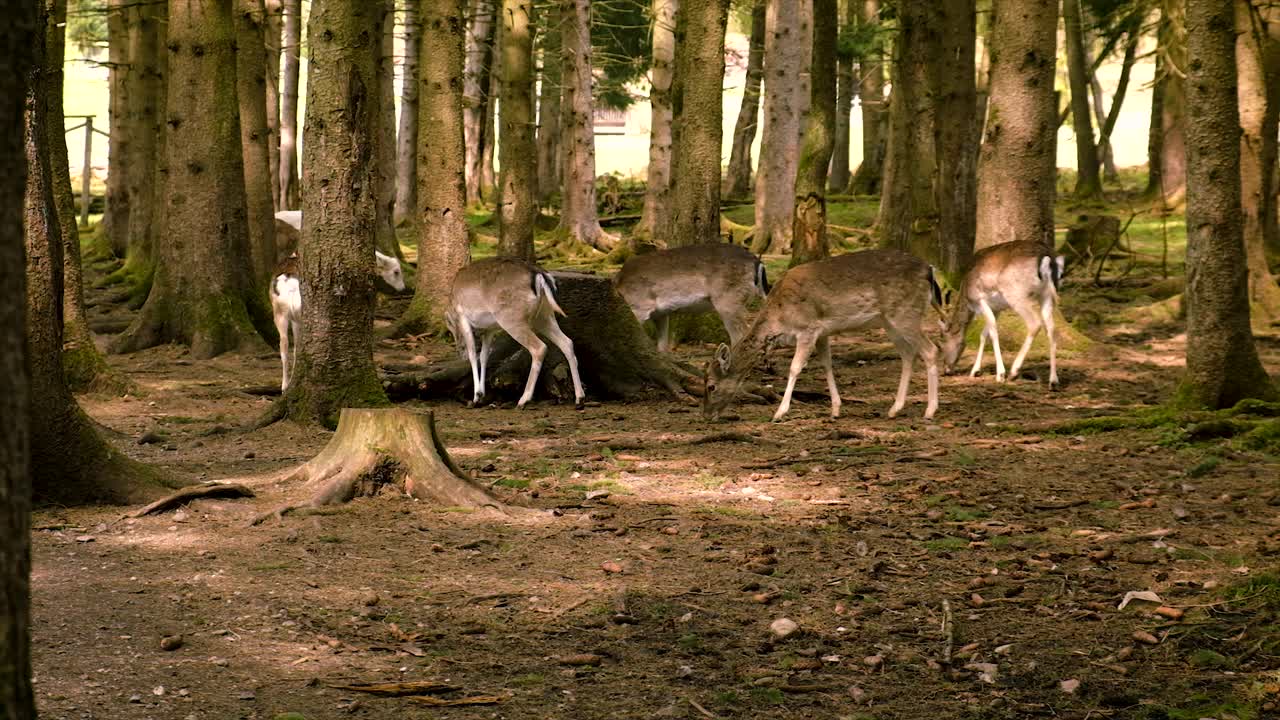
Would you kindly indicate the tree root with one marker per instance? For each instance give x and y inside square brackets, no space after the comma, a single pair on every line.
[185,495]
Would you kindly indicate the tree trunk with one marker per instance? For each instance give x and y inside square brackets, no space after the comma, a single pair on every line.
[1108,125]
[868,178]
[1016,166]
[289,105]
[70,464]
[443,246]
[493,82]
[658,177]
[407,137]
[1155,129]
[16,695]
[1258,69]
[274,25]
[809,226]
[550,168]
[1105,156]
[202,293]
[479,60]
[788,43]
[517,204]
[144,87]
[334,367]
[385,129]
[1088,184]
[840,171]
[737,182]
[251,90]
[928,205]
[1171,82]
[1222,362]
[115,217]
[578,220]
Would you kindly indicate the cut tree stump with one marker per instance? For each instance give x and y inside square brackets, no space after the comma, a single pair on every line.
[373,448]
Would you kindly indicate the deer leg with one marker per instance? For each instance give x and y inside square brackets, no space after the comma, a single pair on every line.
[907,349]
[282,327]
[1046,312]
[824,348]
[992,328]
[557,337]
[486,350]
[469,342]
[1030,315]
[804,346]
[296,327]
[929,352]
[537,350]
[982,346]
[732,312]
[663,325]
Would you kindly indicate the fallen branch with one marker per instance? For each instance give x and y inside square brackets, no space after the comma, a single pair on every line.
[948,631]
[185,495]
[730,436]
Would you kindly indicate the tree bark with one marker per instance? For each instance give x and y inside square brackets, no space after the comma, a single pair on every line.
[479,61]
[493,83]
[737,183]
[1105,156]
[16,694]
[1258,72]
[1155,129]
[867,180]
[1088,183]
[809,225]
[845,61]
[658,177]
[115,217]
[274,25]
[340,150]
[407,137]
[202,294]
[251,91]
[1016,166]
[550,168]
[578,220]
[517,204]
[1108,125]
[788,43]
[384,218]
[928,205]
[443,246]
[144,119]
[1222,362]
[1171,85]
[289,183]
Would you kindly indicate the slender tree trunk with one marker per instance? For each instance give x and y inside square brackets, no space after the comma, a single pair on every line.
[289,104]
[578,220]
[1105,156]
[251,89]
[1173,101]
[407,137]
[928,205]
[549,165]
[384,223]
[788,42]
[273,26]
[144,86]
[340,152]
[493,80]
[517,204]
[845,61]
[658,177]
[1222,362]
[115,218]
[737,183]
[479,59]
[1258,71]
[695,188]
[1108,125]
[809,226]
[202,293]
[868,178]
[1155,129]
[1088,184]
[16,695]
[1016,167]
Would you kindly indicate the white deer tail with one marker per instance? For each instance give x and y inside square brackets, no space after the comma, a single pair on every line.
[544,286]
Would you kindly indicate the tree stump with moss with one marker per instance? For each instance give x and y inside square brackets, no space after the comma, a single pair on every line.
[373,449]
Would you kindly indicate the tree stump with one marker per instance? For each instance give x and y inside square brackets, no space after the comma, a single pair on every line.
[373,448]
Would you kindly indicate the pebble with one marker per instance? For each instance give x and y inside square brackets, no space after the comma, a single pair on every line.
[782,628]
[170,642]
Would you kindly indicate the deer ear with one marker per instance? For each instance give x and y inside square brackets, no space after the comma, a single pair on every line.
[722,357]
[946,297]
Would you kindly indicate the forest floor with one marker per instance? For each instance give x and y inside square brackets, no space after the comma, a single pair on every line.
[969,567]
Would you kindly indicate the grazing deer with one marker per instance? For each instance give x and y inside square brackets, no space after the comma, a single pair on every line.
[697,278]
[286,303]
[1018,275]
[813,301]
[501,294]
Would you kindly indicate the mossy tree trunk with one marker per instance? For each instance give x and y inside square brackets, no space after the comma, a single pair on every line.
[658,177]
[1017,164]
[251,90]
[385,128]
[695,186]
[443,242]
[1222,362]
[788,43]
[202,294]
[550,167]
[407,136]
[845,61]
[870,173]
[145,87]
[115,217]
[273,27]
[1258,72]
[340,151]
[737,181]
[517,201]
[292,65]
[1088,182]
[480,55]
[809,225]
[578,220]
[16,694]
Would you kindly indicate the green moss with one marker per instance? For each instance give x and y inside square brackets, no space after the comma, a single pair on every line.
[1264,437]
[86,370]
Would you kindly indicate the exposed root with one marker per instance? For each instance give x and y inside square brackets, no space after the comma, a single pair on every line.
[185,495]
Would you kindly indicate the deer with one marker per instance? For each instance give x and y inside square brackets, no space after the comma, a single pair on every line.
[697,278]
[819,299]
[498,295]
[1018,275]
[286,303]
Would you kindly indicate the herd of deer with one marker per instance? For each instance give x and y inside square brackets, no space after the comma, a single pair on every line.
[812,302]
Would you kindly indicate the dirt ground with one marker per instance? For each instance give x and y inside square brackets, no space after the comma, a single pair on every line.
[649,586]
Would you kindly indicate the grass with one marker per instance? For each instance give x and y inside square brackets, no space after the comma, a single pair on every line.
[946,544]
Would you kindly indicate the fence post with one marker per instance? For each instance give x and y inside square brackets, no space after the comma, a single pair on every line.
[86,171]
